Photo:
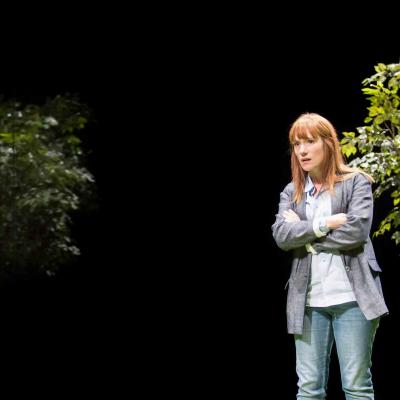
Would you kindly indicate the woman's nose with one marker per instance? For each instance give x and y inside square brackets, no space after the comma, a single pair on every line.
[303,149]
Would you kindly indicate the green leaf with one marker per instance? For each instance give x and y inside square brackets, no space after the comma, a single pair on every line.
[349,134]
[46,182]
[349,149]
[370,91]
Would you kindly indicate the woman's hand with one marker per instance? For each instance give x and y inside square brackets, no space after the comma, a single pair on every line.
[336,221]
[290,216]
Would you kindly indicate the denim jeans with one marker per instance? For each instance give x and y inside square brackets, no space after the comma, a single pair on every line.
[353,335]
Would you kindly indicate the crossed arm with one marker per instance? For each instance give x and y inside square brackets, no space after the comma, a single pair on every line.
[347,231]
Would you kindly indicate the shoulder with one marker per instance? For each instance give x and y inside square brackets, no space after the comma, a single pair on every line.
[288,192]
[357,178]
[289,188]
[362,180]
[358,186]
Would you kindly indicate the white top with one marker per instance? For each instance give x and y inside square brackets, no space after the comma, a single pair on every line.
[329,283]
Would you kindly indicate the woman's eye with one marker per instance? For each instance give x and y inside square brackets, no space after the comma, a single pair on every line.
[310,141]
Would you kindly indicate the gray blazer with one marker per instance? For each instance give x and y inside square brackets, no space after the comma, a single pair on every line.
[353,197]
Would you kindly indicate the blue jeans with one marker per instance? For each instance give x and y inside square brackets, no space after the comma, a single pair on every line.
[353,335]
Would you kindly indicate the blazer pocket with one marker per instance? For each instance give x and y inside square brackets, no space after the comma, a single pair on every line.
[374,265]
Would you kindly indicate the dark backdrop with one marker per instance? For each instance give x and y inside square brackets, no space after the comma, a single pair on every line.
[67,333]
[180,285]
[250,92]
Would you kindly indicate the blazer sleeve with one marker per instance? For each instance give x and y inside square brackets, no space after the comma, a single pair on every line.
[355,232]
[290,235]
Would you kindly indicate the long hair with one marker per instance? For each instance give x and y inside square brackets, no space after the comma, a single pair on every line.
[334,168]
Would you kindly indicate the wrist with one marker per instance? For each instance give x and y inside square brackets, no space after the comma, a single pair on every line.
[324,225]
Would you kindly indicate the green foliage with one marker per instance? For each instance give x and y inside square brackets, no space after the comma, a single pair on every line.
[43,181]
[378,142]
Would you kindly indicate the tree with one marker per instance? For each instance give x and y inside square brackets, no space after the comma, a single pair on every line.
[377,143]
[43,181]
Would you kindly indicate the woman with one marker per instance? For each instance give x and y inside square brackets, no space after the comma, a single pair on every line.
[325,217]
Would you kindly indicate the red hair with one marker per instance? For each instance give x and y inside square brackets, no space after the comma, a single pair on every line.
[334,168]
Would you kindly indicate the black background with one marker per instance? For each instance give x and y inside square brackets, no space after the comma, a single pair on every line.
[180,285]
[249,88]
[72,333]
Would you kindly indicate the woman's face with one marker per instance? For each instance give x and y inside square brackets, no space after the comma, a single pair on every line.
[310,153]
